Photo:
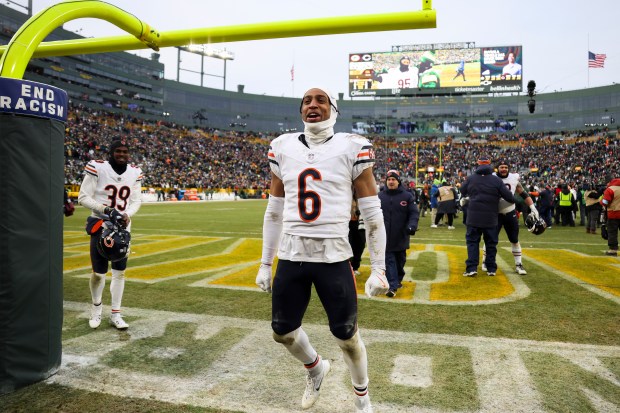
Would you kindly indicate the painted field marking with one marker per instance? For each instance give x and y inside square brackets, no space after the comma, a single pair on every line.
[254,374]
[234,267]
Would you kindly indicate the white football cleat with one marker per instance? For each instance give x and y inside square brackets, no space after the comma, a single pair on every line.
[521,270]
[313,385]
[433,226]
[117,321]
[362,404]
[484,267]
[95,315]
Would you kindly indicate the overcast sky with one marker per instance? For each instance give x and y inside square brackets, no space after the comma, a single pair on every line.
[555,36]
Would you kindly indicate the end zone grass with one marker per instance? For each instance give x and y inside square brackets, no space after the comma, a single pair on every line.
[196,262]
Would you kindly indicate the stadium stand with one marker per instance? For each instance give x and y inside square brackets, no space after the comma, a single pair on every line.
[186,136]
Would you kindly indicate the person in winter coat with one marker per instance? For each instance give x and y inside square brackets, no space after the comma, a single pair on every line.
[400,215]
[484,191]
[593,207]
[545,205]
[446,204]
[611,202]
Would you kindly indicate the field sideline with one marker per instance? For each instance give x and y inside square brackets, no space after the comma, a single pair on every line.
[200,340]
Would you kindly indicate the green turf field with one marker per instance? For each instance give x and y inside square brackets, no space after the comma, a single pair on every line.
[200,340]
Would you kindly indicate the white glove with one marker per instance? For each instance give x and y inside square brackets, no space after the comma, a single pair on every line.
[263,278]
[534,212]
[464,201]
[376,284]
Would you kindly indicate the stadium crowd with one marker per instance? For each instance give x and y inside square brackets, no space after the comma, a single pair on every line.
[175,156]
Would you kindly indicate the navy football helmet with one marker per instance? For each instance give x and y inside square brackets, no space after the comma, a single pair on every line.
[114,241]
[535,226]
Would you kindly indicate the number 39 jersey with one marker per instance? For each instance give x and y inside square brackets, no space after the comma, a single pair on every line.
[102,187]
[318,182]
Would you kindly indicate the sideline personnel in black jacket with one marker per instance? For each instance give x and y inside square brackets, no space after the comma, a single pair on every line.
[484,191]
[400,215]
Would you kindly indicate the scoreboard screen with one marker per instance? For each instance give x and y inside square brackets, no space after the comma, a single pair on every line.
[436,72]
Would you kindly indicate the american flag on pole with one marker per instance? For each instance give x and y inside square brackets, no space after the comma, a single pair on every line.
[292,73]
[596,60]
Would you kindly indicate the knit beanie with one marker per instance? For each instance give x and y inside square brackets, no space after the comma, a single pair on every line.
[484,160]
[392,173]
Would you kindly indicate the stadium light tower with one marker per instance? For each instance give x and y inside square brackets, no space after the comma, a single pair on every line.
[28,8]
[204,51]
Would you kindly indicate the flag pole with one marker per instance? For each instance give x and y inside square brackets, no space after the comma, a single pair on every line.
[588,60]
[293,78]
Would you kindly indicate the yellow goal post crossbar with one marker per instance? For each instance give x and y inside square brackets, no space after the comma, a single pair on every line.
[28,41]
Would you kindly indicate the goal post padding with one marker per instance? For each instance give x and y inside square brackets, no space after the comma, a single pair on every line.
[31,231]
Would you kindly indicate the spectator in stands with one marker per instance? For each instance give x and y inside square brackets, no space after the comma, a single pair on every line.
[611,202]
[176,156]
[401,215]
[484,191]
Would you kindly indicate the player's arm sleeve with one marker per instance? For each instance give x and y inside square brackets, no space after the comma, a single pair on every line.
[135,199]
[370,209]
[272,221]
[87,193]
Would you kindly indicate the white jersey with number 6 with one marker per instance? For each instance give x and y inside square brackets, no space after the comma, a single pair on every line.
[318,182]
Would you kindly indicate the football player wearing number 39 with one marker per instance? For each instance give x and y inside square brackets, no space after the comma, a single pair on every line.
[111,190]
[307,223]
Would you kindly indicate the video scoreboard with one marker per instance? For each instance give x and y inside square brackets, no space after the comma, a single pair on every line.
[412,71]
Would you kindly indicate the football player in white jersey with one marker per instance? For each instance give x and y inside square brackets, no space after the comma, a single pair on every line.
[110,189]
[508,215]
[307,223]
